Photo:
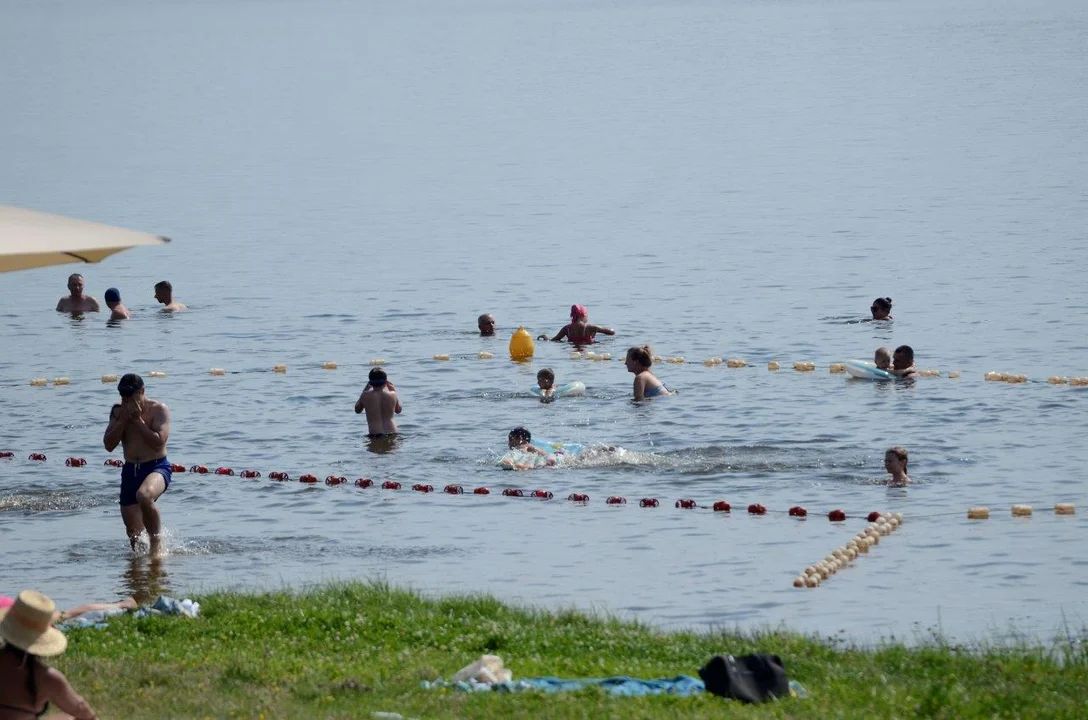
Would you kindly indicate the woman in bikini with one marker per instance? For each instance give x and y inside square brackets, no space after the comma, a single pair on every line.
[639,360]
[27,686]
[578,330]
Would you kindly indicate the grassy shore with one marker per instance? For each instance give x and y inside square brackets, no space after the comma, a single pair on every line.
[347,650]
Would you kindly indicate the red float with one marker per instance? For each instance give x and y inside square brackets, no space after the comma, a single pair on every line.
[335,480]
[250,473]
[757,509]
[420,487]
[6,454]
[481,491]
[578,497]
[390,485]
[543,494]
[836,516]
[308,479]
[798,511]
[224,471]
[513,492]
[453,490]
[686,504]
[364,483]
[114,462]
[177,468]
[722,506]
[37,457]
[277,475]
[75,462]
[648,502]
[200,469]
[873,516]
[616,500]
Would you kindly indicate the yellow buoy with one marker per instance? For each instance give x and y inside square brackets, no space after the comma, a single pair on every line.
[38,382]
[1057,380]
[772,365]
[376,362]
[733,362]
[709,362]
[156,374]
[799,581]
[521,345]
[109,378]
[485,355]
[328,365]
[837,368]
[996,376]
[804,366]
[929,373]
[1016,378]
[217,371]
[62,381]
[953,374]
[677,360]
[1065,509]
[1080,381]
[590,355]
[576,355]
[441,356]
[978,513]
[1021,510]
[281,368]
[814,580]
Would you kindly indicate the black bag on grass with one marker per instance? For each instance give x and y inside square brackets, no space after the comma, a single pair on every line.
[748,678]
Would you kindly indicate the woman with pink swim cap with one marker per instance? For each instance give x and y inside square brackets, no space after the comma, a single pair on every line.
[579,331]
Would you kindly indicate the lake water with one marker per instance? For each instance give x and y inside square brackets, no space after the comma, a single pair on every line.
[355,180]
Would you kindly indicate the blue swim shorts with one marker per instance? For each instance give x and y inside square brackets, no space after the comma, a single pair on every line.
[134,474]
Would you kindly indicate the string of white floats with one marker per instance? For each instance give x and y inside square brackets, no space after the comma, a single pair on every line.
[843,557]
[834,368]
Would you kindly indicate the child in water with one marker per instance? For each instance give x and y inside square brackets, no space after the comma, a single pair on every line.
[882,358]
[895,462]
[545,380]
[521,439]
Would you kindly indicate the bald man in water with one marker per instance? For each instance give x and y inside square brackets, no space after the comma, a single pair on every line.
[76,302]
[486,323]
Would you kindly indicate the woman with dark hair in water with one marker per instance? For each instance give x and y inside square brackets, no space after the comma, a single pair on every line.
[638,361]
[882,308]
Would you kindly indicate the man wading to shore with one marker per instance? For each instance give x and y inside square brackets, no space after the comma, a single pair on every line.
[142,426]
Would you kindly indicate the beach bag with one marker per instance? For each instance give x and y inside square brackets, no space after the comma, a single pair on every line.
[748,678]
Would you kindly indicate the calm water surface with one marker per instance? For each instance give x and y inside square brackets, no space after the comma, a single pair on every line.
[356,180]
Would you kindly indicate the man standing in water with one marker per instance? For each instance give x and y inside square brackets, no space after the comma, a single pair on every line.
[379,399]
[164,293]
[142,426]
[77,303]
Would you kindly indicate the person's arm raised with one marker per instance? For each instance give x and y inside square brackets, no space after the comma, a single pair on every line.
[115,431]
[602,330]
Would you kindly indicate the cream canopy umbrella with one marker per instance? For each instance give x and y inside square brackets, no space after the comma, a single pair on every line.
[30,239]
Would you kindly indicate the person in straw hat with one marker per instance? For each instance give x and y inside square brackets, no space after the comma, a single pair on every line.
[27,686]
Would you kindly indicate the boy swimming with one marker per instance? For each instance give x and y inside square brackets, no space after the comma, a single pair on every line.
[521,439]
[545,380]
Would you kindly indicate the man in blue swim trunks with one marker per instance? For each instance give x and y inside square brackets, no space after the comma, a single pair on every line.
[142,426]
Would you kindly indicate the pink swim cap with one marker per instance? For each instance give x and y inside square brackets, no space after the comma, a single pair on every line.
[577,311]
[5,601]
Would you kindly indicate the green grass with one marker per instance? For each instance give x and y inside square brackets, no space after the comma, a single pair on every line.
[346,650]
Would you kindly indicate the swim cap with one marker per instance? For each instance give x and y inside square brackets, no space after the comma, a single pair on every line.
[113,295]
[130,384]
[577,311]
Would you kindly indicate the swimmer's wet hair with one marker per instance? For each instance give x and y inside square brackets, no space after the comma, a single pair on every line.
[164,285]
[906,350]
[547,374]
[377,376]
[885,303]
[642,354]
[522,434]
[900,452]
[883,352]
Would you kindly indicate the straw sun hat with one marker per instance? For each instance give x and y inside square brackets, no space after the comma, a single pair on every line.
[28,625]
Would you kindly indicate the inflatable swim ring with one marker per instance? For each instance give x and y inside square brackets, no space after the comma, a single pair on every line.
[866,370]
[571,389]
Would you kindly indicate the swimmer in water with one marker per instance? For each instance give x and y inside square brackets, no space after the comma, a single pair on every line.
[118,311]
[76,302]
[545,380]
[379,400]
[521,439]
[895,462]
[164,293]
[486,323]
[639,360]
[882,308]
[578,330]
[882,358]
[903,362]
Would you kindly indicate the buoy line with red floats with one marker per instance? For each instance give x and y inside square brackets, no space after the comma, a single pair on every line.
[717,506]
[802,366]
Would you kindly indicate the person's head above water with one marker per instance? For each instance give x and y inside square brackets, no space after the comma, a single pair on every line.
[130,385]
[486,323]
[75,285]
[519,436]
[882,358]
[895,460]
[378,377]
[164,292]
[578,312]
[881,308]
[640,357]
[545,378]
[113,296]
[903,357]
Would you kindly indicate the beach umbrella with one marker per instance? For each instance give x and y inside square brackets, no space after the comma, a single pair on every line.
[30,239]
